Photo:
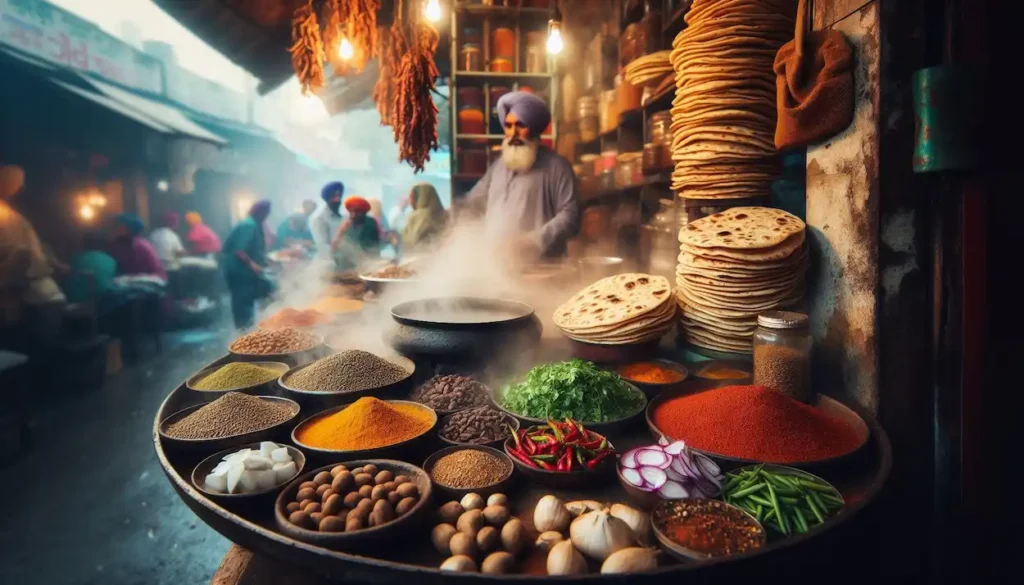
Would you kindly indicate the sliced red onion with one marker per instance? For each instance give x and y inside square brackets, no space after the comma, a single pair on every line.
[629,459]
[663,441]
[709,467]
[689,468]
[675,448]
[673,490]
[634,479]
[679,468]
[653,477]
[675,475]
[653,458]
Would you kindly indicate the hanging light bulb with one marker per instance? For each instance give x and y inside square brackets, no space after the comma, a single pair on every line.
[555,42]
[345,50]
[432,10]
[87,212]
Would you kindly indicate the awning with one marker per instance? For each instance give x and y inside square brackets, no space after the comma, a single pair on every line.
[156,116]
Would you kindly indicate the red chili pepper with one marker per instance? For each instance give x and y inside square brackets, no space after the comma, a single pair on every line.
[547,466]
[568,459]
[597,459]
[530,446]
[595,444]
[518,455]
[551,447]
[557,432]
[515,437]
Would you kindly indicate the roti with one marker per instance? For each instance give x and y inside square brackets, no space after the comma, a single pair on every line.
[613,300]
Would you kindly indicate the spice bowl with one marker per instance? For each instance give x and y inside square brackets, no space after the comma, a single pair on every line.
[577,478]
[313,401]
[272,433]
[606,428]
[652,389]
[401,450]
[792,472]
[511,421]
[746,534]
[263,388]
[251,500]
[612,353]
[366,539]
[294,358]
[499,486]
[643,500]
[725,372]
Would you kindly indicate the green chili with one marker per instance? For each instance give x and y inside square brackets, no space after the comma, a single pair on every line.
[787,499]
[760,512]
[760,500]
[778,510]
[814,509]
[801,523]
[770,514]
[813,485]
[748,490]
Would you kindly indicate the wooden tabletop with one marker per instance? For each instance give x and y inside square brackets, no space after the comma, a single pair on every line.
[241,567]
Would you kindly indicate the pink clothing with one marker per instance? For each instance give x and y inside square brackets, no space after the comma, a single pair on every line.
[135,255]
[202,240]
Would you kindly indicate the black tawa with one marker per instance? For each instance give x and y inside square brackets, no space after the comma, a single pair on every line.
[477,333]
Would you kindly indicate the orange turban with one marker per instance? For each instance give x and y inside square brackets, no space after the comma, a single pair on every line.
[355,204]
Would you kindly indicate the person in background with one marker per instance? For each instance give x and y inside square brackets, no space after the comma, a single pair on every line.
[294,231]
[134,254]
[530,197]
[399,214]
[201,239]
[92,272]
[359,237]
[27,287]
[428,218]
[324,223]
[245,262]
[166,241]
[377,213]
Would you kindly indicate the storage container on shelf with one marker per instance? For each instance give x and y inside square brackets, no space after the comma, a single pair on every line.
[608,161]
[471,119]
[628,43]
[470,96]
[659,128]
[501,65]
[472,158]
[570,98]
[782,353]
[503,43]
[609,111]
[589,161]
[589,123]
[536,52]
[471,57]
[651,29]
[659,240]
[628,169]
[629,95]
[651,159]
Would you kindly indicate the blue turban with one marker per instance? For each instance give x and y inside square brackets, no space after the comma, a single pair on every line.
[260,210]
[331,188]
[132,222]
[530,109]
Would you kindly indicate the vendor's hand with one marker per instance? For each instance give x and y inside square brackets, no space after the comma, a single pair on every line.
[345,225]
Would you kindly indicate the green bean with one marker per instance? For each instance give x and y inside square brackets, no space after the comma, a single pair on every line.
[784,520]
[774,525]
[813,485]
[791,480]
[787,499]
[732,481]
[801,523]
[760,500]
[748,490]
[748,482]
[778,510]
[817,501]
[770,514]
[814,508]
[760,512]
[833,501]
[781,486]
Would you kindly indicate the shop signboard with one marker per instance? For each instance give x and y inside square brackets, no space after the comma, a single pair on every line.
[60,37]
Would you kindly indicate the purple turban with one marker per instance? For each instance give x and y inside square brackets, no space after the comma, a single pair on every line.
[260,210]
[530,109]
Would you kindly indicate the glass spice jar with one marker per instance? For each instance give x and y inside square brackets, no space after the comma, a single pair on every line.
[609,111]
[659,128]
[503,43]
[782,353]
[471,120]
[471,58]
[651,159]
[589,123]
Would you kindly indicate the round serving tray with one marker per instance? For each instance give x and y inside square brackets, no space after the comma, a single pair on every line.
[860,480]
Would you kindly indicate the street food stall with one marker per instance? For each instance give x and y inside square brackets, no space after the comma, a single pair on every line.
[589,419]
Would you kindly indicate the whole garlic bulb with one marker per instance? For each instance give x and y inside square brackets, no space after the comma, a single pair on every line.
[564,559]
[638,521]
[550,514]
[630,560]
[599,534]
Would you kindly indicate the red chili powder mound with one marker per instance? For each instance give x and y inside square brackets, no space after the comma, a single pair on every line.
[754,422]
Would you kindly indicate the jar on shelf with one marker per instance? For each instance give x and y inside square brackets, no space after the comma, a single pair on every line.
[628,44]
[609,160]
[470,96]
[536,52]
[471,120]
[782,353]
[609,111]
[659,128]
[628,169]
[501,65]
[589,123]
[651,159]
[472,159]
[495,93]
[651,29]
[659,241]
[503,43]
[606,179]
[629,95]
[588,161]
[471,58]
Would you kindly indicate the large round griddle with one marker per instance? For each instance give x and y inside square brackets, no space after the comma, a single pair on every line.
[461,312]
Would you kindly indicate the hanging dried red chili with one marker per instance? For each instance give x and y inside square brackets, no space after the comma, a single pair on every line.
[415,122]
[307,49]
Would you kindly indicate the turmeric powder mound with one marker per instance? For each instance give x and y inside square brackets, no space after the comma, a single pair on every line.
[368,423]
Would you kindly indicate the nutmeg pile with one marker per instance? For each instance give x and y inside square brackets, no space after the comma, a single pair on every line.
[474,529]
[276,341]
[343,500]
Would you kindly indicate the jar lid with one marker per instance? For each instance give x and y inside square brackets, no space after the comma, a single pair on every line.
[782,320]
[588,158]
[470,46]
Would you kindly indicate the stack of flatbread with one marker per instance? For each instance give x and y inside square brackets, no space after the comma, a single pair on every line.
[623,309]
[723,115]
[649,68]
[733,266]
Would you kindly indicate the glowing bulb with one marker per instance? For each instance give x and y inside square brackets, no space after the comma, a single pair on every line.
[86,212]
[345,50]
[555,43]
[433,10]
[162,186]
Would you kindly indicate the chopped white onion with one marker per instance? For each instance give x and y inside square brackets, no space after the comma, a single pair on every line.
[284,471]
[267,447]
[234,478]
[217,481]
[247,481]
[280,455]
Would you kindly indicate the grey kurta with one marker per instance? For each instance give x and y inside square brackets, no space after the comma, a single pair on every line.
[542,203]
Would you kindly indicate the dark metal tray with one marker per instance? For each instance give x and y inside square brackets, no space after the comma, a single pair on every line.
[840,540]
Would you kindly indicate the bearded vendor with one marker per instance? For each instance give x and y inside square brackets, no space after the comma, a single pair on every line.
[324,222]
[529,197]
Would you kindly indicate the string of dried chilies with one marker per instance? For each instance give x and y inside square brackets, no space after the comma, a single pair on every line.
[392,44]
[307,49]
[415,115]
[359,26]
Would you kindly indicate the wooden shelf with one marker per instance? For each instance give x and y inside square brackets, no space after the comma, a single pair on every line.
[632,119]
[675,22]
[524,13]
[660,102]
[491,75]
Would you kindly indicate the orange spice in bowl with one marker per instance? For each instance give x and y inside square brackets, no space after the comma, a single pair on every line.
[651,373]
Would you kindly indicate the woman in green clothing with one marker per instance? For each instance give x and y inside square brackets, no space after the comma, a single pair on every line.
[428,218]
[245,262]
[359,237]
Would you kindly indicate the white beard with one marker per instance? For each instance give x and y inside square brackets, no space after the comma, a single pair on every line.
[519,157]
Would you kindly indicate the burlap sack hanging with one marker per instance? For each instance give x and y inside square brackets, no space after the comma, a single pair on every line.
[814,87]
